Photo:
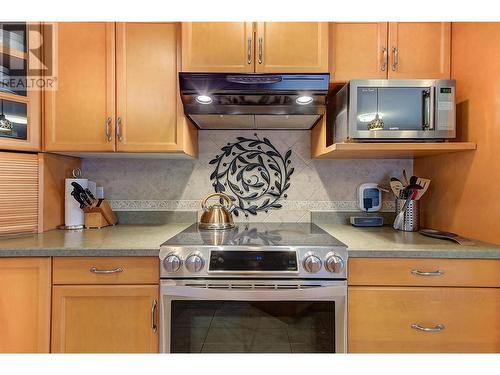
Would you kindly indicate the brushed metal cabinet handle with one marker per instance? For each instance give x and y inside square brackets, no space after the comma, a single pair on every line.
[107,129]
[249,51]
[114,270]
[119,129]
[154,327]
[395,61]
[260,50]
[422,273]
[385,56]
[437,328]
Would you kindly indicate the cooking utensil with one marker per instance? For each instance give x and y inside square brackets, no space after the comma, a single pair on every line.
[424,182]
[405,178]
[396,186]
[447,236]
[383,188]
[410,190]
[217,216]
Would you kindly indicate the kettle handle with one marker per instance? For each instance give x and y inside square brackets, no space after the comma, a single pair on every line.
[222,195]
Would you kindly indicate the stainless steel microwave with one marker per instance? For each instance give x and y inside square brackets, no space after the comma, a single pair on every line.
[394,110]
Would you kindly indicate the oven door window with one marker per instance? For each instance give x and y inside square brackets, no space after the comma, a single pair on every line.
[252,327]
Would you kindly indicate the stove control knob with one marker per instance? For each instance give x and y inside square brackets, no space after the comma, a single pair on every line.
[334,263]
[194,263]
[312,263]
[172,263]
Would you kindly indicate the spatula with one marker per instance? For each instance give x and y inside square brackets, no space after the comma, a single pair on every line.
[397,187]
[424,182]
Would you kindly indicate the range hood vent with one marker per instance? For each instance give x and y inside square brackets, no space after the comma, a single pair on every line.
[254,101]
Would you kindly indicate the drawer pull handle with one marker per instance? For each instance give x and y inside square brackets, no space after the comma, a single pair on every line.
[437,328]
[422,273]
[154,327]
[115,270]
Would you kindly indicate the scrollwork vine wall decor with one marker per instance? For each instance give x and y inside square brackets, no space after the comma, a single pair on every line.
[253,173]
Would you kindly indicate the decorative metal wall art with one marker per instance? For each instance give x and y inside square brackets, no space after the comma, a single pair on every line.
[253,173]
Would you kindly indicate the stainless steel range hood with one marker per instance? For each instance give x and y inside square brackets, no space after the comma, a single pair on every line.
[254,101]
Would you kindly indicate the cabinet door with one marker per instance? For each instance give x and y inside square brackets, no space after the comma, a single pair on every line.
[419,50]
[105,319]
[79,115]
[20,105]
[217,47]
[25,305]
[358,51]
[292,47]
[146,71]
[383,319]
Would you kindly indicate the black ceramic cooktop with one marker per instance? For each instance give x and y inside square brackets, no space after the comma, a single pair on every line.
[256,234]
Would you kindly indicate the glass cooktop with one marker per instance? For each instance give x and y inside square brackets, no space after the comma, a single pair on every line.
[256,234]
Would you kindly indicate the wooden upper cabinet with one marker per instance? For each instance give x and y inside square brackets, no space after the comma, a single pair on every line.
[25,285]
[291,47]
[146,70]
[217,47]
[105,319]
[20,104]
[419,50]
[358,50]
[80,114]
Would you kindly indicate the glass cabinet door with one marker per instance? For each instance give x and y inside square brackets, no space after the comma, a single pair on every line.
[13,119]
[19,104]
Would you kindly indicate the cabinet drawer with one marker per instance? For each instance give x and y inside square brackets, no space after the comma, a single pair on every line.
[380,319]
[424,272]
[105,270]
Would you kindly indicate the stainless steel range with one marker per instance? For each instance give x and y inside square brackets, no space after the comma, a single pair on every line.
[261,288]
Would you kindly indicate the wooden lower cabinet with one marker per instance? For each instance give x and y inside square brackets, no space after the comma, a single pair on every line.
[105,319]
[380,319]
[25,285]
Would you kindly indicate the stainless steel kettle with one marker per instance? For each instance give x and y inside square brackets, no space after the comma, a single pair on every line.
[217,216]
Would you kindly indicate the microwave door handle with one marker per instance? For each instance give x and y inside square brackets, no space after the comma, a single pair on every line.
[426,109]
[431,108]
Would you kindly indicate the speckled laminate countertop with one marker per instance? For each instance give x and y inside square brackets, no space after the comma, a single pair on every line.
[144,240]
[385,242]
[120,240]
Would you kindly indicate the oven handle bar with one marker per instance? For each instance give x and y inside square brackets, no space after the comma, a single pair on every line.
[250,294]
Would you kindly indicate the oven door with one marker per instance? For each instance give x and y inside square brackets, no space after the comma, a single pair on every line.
[253,316]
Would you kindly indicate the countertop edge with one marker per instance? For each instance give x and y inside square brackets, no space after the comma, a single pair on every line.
[65,252]
[444,254]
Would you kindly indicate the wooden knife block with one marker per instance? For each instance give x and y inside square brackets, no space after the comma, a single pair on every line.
[101,215]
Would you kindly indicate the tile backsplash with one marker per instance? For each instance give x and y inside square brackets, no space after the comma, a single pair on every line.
[179,184]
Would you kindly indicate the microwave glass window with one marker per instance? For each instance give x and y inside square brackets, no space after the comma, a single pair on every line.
[367,107]
[252,327]
[13,120]
[400,108]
